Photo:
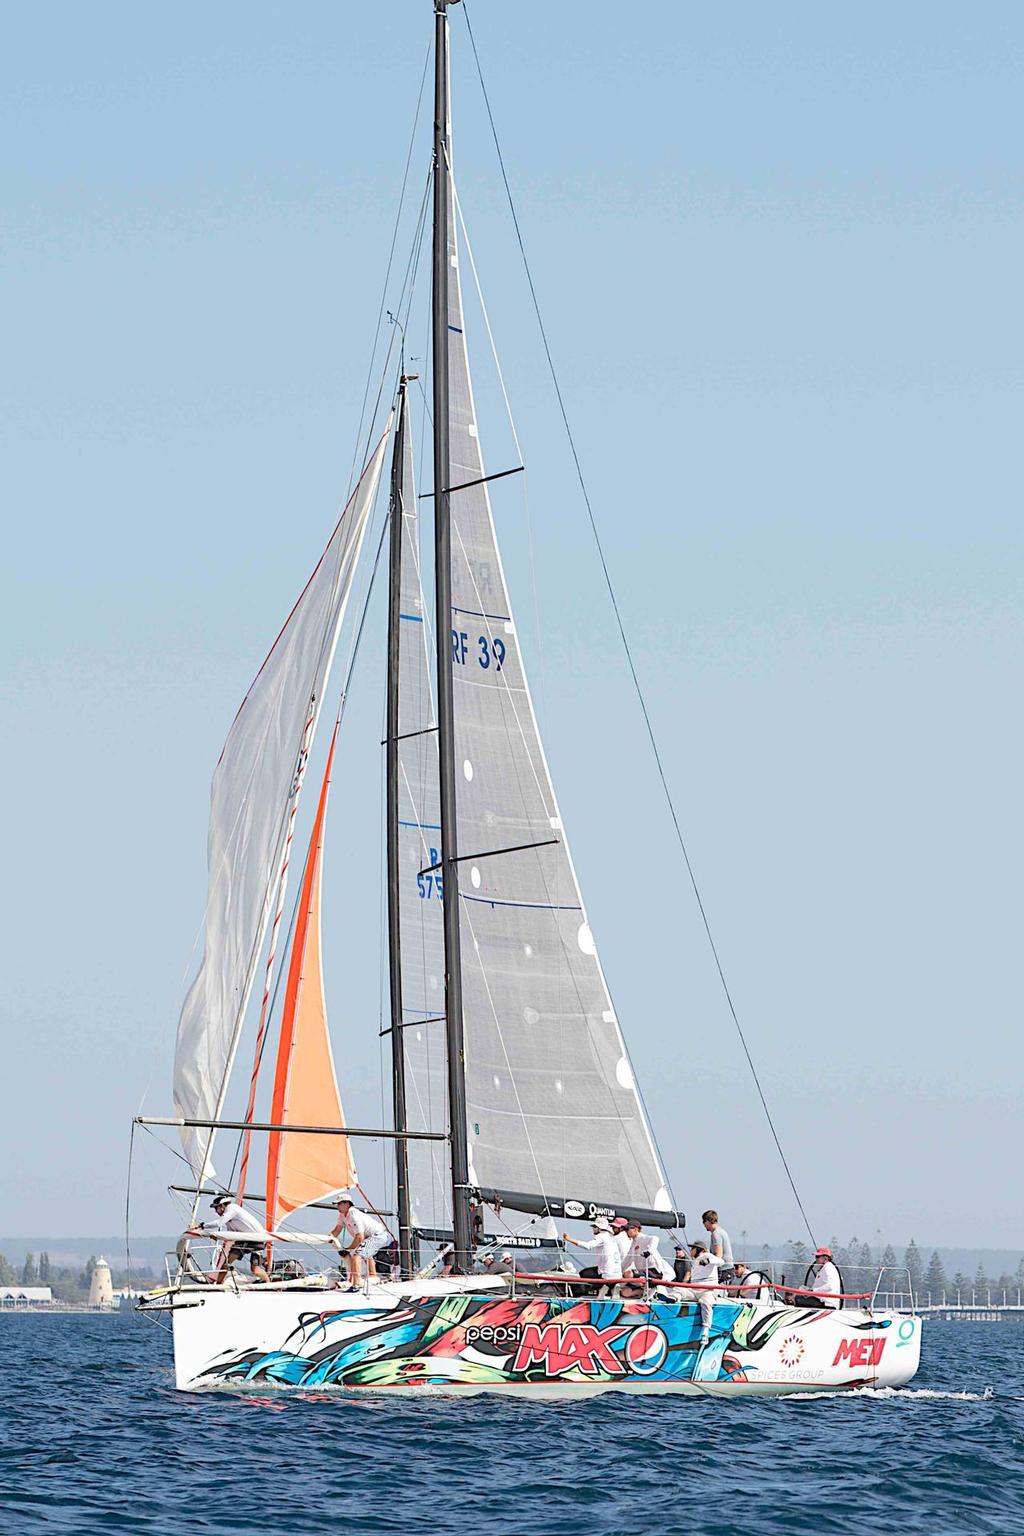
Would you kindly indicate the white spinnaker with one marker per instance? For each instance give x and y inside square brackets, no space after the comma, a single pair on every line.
[421,926]
[259,773]
[552,1104]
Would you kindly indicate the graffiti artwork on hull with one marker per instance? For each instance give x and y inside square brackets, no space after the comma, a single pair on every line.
[480,1341]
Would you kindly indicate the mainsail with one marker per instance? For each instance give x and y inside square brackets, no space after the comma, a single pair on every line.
[302,1168]
[552,1105]
[259,772]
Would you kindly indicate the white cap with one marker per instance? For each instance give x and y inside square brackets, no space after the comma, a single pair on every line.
[600,1224]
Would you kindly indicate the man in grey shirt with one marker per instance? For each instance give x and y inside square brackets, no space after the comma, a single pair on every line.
[719,1245]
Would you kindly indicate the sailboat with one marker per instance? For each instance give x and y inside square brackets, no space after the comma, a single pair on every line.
[514,1099]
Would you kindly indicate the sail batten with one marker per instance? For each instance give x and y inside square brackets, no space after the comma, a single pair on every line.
[255,784]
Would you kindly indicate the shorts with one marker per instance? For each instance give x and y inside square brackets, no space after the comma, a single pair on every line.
[373,1245]
[248,1250]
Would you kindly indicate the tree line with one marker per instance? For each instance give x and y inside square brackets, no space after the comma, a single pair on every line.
[926,1279]
[67,1282]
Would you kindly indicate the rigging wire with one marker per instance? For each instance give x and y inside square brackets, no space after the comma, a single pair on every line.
[387,275]
[383,971]
[128,1209]
[622,632]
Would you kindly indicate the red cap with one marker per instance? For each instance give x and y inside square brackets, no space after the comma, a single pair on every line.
[620,1221]
[823,1253]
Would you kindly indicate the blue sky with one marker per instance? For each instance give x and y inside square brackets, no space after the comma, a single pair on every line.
[778,251]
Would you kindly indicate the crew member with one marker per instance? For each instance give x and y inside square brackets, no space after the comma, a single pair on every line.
[752,1284]
[643,1258]
[718,1244]
[619,1226]
[704,1279]
[367,1237]
[232,1217]
[683,1262]
[498,1264]
[826,1284]
[606,1250]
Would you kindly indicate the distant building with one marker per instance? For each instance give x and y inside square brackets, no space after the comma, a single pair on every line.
[101,1288]
[26,1296]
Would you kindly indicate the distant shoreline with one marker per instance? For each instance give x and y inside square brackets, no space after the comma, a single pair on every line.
[61,1309]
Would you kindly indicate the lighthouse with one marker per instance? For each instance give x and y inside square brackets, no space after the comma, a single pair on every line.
[101,1288]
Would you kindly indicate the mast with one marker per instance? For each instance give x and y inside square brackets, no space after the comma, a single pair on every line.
[443,607]
[394,896]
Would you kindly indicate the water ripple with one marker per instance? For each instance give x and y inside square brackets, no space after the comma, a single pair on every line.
[93,1438]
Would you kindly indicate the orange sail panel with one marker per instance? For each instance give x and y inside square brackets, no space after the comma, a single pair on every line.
[302,1168]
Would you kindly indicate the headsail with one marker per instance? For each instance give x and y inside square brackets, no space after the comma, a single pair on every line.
[303,1168]
[259,771]
[552,1105]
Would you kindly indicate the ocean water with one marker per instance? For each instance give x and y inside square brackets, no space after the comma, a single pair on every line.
[93,1438]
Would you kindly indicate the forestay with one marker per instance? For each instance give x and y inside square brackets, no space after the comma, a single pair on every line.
[551,1100]
[259,772]
[420,906]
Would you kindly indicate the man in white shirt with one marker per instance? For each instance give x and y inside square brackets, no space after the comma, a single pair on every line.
[608,1268]
[232,1217]
[826,1279]
[643,1258]
[619,1226]
[367,1236]
[704,1280]
[752,1285]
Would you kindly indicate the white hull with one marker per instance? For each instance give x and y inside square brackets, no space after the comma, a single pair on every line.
[443,1337]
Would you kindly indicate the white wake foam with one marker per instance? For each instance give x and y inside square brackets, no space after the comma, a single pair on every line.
[918,1394]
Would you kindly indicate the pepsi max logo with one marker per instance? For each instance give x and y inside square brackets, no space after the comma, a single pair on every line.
[510,1333]
[645,1350]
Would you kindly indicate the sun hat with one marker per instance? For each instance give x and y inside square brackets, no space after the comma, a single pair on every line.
[600,1224]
